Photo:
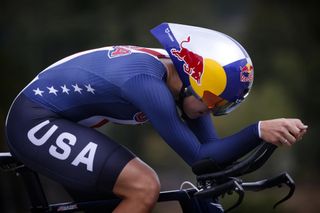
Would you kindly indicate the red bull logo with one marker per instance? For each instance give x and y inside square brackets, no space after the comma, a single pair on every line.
[246,74]
[193,63]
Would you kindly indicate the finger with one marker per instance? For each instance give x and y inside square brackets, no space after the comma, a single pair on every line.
[294,130]
[301,134]
[283,141]
[285,134]
[300,125]
[303,127]
[300,138]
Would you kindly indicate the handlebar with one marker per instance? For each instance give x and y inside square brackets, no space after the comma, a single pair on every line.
[220,181]
[239,187]
[279,180]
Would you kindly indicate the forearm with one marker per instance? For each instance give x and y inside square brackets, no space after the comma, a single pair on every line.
[231,148]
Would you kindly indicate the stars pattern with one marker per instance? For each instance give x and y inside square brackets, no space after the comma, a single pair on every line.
[38,92]
[52,90]
[65,89]
[89,88]
[77,88]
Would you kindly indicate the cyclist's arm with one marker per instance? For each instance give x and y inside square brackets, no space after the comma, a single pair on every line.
[152,96]
[204,129]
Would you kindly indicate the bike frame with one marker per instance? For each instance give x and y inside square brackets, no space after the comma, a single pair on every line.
[39,202]
[212,182]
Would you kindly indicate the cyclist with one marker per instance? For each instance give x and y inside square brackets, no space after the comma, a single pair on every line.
[200,71]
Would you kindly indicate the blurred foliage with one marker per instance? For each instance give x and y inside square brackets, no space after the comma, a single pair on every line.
[282,38]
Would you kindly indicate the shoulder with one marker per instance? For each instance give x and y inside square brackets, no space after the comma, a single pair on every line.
[149,94]
[138,61]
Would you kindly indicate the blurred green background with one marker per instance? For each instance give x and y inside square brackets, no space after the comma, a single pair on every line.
[282,38]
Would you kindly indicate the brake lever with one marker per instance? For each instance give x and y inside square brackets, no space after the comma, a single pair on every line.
[230,186]
[290,183]
[239,190]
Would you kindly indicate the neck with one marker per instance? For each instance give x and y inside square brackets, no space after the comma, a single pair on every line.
[173,80]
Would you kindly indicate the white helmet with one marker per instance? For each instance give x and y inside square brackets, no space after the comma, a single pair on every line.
[212,66]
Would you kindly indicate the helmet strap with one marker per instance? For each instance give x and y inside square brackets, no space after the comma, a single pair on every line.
[184,92]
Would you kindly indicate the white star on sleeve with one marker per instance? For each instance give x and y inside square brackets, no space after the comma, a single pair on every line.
[65,89]
[77,88]
[52,90]
[89,88]
[38,92]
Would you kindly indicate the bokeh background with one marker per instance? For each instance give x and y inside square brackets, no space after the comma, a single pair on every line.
[282,38]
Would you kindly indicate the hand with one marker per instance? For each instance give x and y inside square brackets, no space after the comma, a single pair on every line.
[282,131]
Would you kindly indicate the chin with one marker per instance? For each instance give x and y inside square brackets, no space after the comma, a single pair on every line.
[193,116]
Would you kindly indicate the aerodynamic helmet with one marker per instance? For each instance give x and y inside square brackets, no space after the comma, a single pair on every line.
[212,66]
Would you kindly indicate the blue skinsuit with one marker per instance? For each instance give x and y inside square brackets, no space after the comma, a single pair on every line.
[128,85]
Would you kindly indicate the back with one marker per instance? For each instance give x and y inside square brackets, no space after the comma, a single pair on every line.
[89,83]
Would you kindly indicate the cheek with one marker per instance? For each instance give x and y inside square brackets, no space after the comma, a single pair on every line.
[193,107]
[188,105]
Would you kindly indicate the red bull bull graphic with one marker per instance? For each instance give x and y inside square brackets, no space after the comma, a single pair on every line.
[193,63]
[246,74]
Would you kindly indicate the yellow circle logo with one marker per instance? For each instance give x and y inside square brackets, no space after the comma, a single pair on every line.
[213,79]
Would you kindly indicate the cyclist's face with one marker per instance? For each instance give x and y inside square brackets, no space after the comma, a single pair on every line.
[194,108]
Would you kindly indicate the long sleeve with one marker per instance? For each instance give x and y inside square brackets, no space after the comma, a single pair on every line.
[152,96]
[203,128]
[233,146]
